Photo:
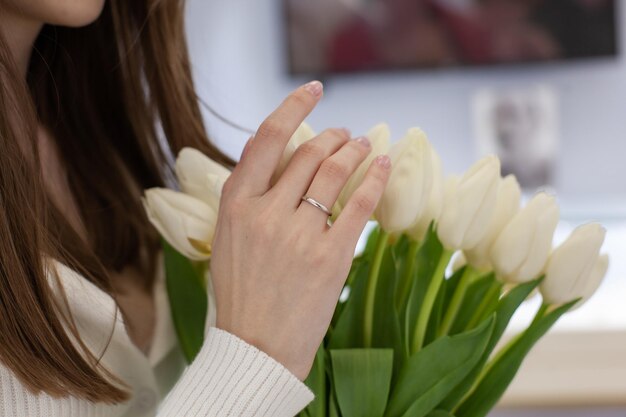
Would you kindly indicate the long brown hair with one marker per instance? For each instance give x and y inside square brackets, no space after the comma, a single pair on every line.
[118,98]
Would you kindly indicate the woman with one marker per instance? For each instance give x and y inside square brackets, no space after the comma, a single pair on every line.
[95,98]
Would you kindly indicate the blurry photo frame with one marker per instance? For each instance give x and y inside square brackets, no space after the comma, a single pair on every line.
[339,36]
[521,126]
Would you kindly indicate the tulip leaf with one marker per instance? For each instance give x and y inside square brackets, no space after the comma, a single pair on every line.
[356,264]
[474,297]
[316,381]
[437,413]
[362,378]
[427,260]
[188,300]
[430,374]
[370,245]
[441,304]
[387,333]
[505,310]
[503,369]
[333,408]
[348,332]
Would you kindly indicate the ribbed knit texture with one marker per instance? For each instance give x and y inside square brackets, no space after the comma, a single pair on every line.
[232,378]
[229,377]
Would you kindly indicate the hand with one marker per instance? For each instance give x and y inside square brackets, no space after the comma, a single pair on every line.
[277,267]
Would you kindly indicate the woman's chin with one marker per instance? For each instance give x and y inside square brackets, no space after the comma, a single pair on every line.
[76,13]
[72,13]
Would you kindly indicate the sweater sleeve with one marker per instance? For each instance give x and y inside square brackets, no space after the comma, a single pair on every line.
[230,377]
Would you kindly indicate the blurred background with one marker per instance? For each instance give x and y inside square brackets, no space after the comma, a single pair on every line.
[542,83]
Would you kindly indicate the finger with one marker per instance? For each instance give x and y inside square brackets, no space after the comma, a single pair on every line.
[266,148]
[330,179]
[305,163]
[350,224]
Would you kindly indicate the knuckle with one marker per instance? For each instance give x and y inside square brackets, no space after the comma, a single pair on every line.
[336,133]
[334,169]
[235,207]
[271,128]
[363,203]
[300,98]
[310,149]
[227,188]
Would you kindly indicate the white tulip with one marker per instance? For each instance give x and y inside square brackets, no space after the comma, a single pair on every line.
[301,135]
[521,250]
[434,203]
[200,176]
[185,222]
[507,205]
[574,269]
[409,184]
[469,205]
[379,140]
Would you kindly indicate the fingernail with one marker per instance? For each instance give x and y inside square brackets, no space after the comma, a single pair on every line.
[383,161]
[346,131]
[363,141]
[314,87]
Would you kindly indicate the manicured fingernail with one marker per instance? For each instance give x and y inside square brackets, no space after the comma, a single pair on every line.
[314,87]
[363,141]
[383,161]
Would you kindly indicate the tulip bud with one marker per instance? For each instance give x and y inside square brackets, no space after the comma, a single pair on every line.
[434,203]
[301,135]
[574,269]
[185,222]
[469,205]
[507,205]
[200,176]
[521,250]
[409,184]
[379,139]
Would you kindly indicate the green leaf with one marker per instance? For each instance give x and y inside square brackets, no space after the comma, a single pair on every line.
[434,371]
[356,264]
[438,413]
[387,332]
[370,245]
[348,332]
[474,297]
[362,378]
[333,408]
[316,381]
[427,259]
[505,366]
[505,310]
[188,300]
[442,302]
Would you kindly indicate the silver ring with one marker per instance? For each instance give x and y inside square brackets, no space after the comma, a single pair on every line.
[317,204]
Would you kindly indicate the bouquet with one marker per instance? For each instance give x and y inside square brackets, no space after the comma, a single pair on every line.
[416,331]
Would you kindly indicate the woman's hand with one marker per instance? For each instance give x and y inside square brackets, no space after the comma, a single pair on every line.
[277,267]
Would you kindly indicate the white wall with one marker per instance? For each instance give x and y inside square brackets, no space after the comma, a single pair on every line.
[239,62]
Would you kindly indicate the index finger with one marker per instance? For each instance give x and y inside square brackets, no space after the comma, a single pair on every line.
[266,148]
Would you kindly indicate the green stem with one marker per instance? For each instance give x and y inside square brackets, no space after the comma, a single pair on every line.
[372,282]
[457,300]
[482,308]
[406,281]
[429,300]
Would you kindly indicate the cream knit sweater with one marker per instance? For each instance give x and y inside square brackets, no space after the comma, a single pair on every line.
[228,377]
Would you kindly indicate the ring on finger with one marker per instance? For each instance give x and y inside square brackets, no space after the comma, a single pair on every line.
[317,204]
